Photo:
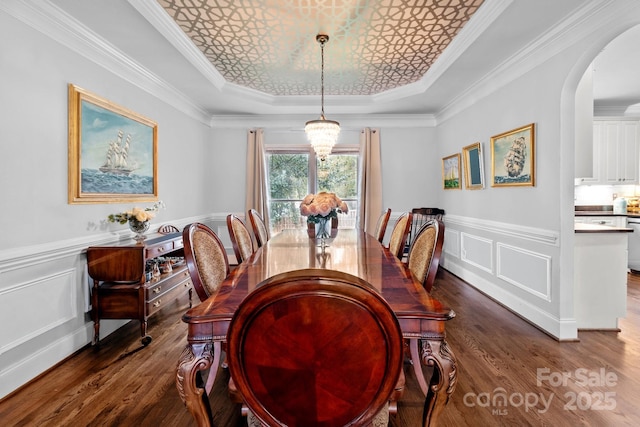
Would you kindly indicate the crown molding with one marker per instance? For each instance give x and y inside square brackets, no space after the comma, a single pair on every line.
[580,24]
[347,121]
[61,27]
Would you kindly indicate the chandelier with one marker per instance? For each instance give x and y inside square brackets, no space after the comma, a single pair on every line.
[322,133]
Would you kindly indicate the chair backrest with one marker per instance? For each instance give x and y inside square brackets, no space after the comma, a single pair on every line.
[314,347]
[381,227]
[168,229]
[206,259]
[420,216]
[399,234]
[425,252]
[240,238]
[260,230]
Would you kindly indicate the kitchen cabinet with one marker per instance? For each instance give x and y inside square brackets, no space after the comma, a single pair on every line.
[617,155]
[607,220]
[600,278]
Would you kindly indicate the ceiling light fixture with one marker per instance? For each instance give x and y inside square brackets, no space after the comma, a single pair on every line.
[322,133]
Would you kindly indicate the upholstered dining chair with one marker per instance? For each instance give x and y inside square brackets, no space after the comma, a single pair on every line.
[206,259]
[381,227]
[259,227]
[240,238]
[399,234]
[423,261]
[424,256]
[208,266]
[295,351]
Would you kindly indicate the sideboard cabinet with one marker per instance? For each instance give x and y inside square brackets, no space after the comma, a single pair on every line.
[124,289]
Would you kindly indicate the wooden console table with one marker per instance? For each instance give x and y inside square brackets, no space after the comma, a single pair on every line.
[352,251]
[120,289]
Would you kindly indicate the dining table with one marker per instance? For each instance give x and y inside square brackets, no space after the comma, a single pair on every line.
[422,317]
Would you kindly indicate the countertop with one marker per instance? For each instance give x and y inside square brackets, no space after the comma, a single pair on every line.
[596,228]
[602,210]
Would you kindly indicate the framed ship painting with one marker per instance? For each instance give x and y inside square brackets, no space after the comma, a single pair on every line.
[451,172]
[113,152]
[473,170]
[513,157]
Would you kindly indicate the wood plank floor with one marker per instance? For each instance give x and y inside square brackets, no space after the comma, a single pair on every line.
[499,354]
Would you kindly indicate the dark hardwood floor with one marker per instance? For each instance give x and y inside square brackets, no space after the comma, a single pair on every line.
[499,356]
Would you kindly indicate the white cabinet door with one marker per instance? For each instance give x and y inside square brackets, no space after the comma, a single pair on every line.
[618,151]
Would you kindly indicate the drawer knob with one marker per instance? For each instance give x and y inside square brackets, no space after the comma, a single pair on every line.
[157,290]
[157,303]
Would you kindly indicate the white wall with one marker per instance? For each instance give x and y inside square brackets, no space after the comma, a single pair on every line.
[516,243]
[43,284]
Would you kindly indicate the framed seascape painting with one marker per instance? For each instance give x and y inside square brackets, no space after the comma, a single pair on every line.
[513,157]
[473,169]
[451,172]
[113,152]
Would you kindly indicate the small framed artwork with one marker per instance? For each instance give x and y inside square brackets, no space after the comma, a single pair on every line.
[513,157]
[473,169]
[113,152]
[451,172]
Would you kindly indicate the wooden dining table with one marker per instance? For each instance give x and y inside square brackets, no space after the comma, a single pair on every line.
[352,251]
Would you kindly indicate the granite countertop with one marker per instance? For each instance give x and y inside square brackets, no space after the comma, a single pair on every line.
[602,210]
[596,228]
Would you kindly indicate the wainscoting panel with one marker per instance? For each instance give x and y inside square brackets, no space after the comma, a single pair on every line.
[452,242]
[41,305]
[477,251]
[525,269]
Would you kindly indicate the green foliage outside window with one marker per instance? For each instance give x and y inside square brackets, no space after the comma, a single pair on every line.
[289,184]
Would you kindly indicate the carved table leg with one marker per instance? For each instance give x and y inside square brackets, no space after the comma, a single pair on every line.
[195,358]
[417,365]
[436,353]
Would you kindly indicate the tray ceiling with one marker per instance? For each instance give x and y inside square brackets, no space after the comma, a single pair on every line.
[270,46]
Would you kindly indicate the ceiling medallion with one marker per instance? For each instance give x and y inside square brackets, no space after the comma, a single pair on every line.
[322,133]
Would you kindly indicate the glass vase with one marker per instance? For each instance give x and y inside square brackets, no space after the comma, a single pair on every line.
[323,228]
[139,227]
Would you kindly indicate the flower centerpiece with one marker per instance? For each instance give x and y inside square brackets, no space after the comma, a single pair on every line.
[320,209]
[137,218]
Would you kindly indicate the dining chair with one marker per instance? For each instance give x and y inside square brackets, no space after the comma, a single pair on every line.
[420,216]
[424,256]
[399,234]
[259,227]
[295,351]
[240,238]
[168,229]
[423,261]
[206,259]
[208,266]
[381,227]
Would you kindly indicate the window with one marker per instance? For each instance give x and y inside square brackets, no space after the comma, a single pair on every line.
[295,172]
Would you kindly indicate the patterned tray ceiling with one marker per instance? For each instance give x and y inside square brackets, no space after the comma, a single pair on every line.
[270,45]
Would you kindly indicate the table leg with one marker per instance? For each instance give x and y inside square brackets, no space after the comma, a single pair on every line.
[194,359]
[436,353]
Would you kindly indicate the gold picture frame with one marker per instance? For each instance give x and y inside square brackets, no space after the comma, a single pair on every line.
[513,157]
[113,152]
[451,172]
[473,166]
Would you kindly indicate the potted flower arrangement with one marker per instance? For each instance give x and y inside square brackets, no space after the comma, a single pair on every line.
[137,218]
[320,209]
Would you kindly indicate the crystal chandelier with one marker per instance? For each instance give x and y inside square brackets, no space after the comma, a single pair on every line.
[322,133]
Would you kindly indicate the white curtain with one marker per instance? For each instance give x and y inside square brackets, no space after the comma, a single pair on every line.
[370,187]
[257,195]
